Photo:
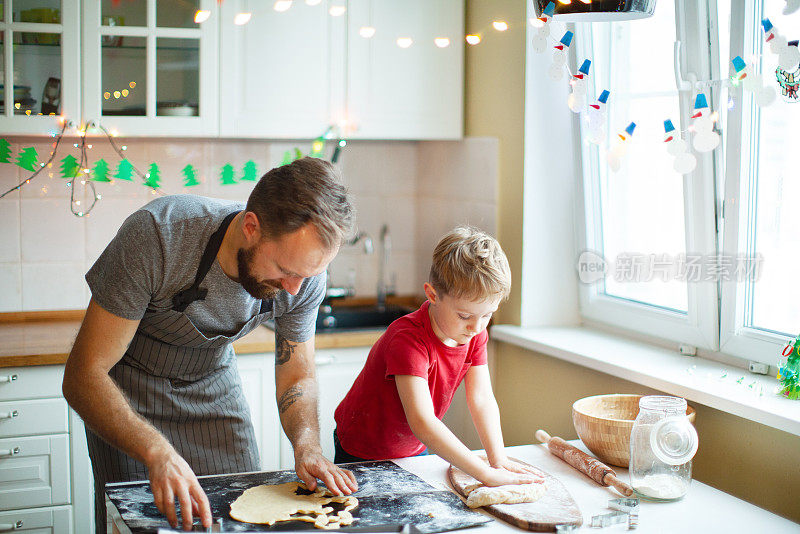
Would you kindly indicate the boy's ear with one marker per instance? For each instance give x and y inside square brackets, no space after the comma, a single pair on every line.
[430,292]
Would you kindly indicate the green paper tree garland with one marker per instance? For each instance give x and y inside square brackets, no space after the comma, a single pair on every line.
[124,170]
[69,167]
[100,171]
[249,171]
[190,176]
[27,159]
[227,175]
[789,370]
[153,177]
[5,151]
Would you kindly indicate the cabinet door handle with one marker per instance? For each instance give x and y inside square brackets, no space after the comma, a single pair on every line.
[7,379]
[8,527]
[321,361]
[9,452]
[9,415]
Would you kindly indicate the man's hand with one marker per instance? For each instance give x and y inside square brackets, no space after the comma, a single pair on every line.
[312,465]
[171,477]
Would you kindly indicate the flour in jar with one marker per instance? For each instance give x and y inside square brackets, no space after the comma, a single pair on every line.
[661,486]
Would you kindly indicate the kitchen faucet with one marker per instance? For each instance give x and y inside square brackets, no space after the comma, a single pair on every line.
[349,291]
[383,262]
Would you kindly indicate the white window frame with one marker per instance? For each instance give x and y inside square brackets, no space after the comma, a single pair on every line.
[735,338]
[699,327]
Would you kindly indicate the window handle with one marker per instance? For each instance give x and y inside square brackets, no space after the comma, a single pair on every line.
[683,84]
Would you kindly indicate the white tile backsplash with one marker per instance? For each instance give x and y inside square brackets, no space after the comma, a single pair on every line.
[420,190]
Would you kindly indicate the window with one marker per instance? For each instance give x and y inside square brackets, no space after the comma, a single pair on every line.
[650,226]
[761,193]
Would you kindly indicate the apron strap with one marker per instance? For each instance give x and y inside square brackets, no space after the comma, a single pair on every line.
[182,300]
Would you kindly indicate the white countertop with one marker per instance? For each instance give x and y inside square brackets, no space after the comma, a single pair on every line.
[703,510]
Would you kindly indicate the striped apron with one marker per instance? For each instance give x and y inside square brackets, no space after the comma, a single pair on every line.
[186,385]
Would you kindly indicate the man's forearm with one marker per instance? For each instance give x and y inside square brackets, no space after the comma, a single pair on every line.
[297,407]
[103,407]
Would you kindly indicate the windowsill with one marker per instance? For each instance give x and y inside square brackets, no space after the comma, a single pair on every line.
[699,380]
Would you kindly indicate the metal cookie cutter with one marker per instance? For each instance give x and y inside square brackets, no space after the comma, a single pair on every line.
[566,529]
[606,520]
[624,505]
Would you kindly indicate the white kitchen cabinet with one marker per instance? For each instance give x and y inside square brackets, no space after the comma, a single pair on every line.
[282,73]
[149,69]
[337,369]
[292,74]
[56,520]
[42,65]
[258,381]
[405,93]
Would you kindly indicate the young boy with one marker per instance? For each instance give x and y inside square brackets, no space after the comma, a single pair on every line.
[395,406]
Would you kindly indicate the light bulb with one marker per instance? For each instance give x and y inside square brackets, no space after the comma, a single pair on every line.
[313,2]
[282,5]
[337,11]
[404,42]
[201,15]
[442,42]
[242,18]
[473,39]
[500,25]
[366,32]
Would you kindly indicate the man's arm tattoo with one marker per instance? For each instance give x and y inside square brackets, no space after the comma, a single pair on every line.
[289,397]
[284,349]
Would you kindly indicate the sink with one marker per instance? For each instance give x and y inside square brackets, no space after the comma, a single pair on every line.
[354,318]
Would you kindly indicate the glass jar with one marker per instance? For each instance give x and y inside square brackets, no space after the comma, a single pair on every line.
[663,443]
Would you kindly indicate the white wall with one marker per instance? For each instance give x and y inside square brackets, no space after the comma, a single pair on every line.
[418,189]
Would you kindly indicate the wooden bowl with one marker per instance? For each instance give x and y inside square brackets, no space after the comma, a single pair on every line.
[604,424]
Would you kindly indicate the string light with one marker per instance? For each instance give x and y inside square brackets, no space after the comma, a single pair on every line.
[313,2]
[337,11]
[366,31]
[442,42]
[500,25]
[282,5]
[132,85]
[404,42]
[240,19]
[201,15]
[473,39]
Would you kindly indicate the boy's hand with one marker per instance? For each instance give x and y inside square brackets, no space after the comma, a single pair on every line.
[503,477]
[515,467]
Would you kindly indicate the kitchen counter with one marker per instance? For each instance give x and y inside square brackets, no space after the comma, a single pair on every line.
[704,509]
[49,342]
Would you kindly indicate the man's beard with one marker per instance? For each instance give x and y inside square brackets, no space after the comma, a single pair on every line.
[257,289]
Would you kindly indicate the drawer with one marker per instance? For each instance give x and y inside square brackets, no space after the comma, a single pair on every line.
[34,471]
[32,417]
[36,382]
[42,521]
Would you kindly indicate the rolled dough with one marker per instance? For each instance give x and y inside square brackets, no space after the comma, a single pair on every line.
[480,495]
[270,503]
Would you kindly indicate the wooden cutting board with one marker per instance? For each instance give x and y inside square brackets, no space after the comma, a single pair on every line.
[556,507]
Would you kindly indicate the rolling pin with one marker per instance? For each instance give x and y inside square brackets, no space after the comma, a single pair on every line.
[591,467]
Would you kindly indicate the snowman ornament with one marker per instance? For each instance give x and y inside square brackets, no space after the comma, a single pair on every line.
[788,56]
[620,148]
[577,98]
[752,82]
[705,138]
[596,118]
[684,161]
[542,31]
[560,51]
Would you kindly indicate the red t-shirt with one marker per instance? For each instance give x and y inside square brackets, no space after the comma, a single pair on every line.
[370,421]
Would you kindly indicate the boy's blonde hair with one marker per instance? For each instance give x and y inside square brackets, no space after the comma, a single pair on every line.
[469,263]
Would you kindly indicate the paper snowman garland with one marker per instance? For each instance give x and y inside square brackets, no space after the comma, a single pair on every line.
[753,83]
[620,148]
[788,56]
[560,50]
[596,119]
[542,31]
[791,6]
[705,138]
[577,99]
[684,161]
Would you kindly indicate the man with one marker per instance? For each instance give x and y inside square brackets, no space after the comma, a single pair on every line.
[153,373]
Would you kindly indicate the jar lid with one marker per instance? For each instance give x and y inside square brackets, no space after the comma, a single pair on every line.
[674,440]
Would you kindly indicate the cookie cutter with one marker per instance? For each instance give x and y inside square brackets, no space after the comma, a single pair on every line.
[608,519]
[628,504]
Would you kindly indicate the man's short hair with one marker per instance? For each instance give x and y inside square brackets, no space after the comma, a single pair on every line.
[469,263]
[308,190]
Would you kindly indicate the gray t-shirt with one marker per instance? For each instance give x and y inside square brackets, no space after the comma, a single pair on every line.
[156,254]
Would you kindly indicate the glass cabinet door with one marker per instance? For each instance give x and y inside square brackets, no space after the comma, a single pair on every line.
[151,66]
[38,65]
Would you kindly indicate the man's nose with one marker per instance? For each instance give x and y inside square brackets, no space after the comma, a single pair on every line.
[292,284]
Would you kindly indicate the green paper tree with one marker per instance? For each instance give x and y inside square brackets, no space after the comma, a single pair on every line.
[249,171]
[789,370]
[227,175]
[100,171]
[190,176]
[124,171]
[5,151]
[287,158]
[27,159]
[153,177]
[69,167]
[297,153]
